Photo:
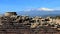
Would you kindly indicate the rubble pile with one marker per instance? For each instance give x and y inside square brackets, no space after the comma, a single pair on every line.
[11,23]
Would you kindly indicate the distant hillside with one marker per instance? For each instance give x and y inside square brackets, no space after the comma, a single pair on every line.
[39,13]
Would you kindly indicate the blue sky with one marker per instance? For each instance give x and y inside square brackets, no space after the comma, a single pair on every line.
[20,5]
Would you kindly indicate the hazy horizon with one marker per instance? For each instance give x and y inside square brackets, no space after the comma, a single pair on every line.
[29,7]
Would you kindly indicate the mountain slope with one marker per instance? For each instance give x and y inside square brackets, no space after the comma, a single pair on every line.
[39,13]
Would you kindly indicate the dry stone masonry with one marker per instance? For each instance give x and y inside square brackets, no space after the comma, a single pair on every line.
[11,23]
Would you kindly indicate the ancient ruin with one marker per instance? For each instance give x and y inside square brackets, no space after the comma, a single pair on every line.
[11,23]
